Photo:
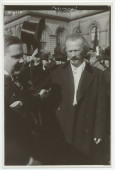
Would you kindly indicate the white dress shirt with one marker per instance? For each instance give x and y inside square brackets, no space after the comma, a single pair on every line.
[77,71]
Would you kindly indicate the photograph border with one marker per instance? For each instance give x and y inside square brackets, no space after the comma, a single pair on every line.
[44,3]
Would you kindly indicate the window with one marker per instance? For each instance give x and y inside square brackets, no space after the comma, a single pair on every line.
[45,43]
[108,35]
[61,36]
[94,31]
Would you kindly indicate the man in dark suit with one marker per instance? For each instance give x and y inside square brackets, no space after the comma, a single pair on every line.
[20,121]
[82,109]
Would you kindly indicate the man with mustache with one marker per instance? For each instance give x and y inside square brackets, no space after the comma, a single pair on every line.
[82,109]
[20,122]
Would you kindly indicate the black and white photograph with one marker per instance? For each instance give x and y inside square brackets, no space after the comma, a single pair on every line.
[57,84]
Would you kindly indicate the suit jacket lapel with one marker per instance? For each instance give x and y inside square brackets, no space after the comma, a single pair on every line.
[85,80]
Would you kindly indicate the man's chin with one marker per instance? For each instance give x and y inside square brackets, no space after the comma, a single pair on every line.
[75,62]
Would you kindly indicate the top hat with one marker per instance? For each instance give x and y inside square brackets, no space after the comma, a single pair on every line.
[31,33]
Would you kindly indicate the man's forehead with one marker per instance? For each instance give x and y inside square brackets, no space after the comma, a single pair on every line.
[14,48]
[77,42]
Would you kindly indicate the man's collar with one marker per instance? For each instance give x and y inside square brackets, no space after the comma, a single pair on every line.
[78,68]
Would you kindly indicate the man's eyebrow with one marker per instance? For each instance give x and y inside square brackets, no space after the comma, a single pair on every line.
[17,56]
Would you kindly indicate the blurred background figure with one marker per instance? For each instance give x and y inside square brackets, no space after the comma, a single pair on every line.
[48,61]
[60,53]
[106,58]
[94,61]
[101,53]
[89,55]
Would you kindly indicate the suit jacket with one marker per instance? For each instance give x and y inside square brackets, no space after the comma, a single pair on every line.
[18,125]
[40,78]
[87,120]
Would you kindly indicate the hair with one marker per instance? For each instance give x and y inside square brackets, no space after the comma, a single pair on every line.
[10,40]
[76,36]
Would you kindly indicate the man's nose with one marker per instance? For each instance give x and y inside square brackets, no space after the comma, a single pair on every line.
[73,54]
[21,60]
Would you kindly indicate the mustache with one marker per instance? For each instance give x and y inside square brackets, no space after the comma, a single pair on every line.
[74,58]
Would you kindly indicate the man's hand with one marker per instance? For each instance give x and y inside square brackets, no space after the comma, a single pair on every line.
[97,140]
[16,104]
[33,161]
[44,93]
[35,52]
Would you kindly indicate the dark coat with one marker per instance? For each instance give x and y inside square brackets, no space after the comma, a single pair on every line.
[40,78]
[18,125]
[87,120]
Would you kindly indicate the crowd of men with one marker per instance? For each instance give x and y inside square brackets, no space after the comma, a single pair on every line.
[57,111]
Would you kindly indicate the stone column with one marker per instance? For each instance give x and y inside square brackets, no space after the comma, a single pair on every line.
[103,38]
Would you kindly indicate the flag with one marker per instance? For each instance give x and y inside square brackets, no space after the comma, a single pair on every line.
[95,40]
[79,31]
[38,33]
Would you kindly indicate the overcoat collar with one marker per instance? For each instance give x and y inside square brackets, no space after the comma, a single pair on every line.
[85,80]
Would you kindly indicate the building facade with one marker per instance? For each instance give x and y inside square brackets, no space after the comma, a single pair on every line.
[59,24]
